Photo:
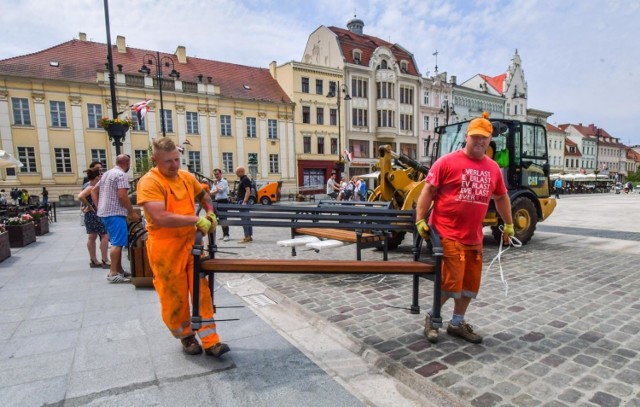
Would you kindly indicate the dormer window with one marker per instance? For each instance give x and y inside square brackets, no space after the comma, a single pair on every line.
[383,64]
[403,67]
[357,57]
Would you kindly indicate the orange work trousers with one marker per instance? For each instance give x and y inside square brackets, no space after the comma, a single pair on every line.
[461,269]
[172,265]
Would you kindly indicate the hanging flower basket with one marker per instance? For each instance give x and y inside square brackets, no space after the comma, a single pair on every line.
[116,128]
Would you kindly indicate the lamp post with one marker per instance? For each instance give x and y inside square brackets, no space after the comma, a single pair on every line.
[447,108]
[597,168]
[337,91]
[117,134]
[168,62]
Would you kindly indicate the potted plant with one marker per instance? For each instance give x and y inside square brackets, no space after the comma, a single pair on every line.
[116,127]
[22,230]
[5,246]
[41,221]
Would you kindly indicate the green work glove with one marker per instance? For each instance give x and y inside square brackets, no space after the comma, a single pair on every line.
[213,219]
[507,232]
[423,228]
[203,224]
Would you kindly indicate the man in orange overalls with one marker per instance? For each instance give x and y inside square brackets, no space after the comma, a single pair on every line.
[168,196]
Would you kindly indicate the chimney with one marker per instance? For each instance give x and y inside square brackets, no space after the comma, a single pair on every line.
[82,37]
[122,46]
[181,54]
[272,70]
[453,79]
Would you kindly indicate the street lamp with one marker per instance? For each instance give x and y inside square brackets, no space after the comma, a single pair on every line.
[597,134]
[447,108]
[332,92]
[118,133]
[168,62]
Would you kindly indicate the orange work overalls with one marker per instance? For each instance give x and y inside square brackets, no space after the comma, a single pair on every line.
[171,261]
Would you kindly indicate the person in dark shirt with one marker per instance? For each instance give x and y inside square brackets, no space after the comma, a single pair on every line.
[244,192]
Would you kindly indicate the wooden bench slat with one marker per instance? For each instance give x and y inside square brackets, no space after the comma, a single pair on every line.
[337,234]
[316,266]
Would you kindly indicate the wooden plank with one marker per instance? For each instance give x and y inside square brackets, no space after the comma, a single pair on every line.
[315,266]
[336,234]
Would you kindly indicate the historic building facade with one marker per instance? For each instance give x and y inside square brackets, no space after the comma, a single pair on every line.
[224,114]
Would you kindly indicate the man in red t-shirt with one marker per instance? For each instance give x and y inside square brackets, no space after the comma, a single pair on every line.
[460,186]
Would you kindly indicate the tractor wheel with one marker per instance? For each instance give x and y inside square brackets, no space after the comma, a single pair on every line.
[265,200]
[525,219]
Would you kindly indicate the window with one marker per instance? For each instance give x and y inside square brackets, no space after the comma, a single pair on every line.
[386,118]
[274,166]
[192,123]
[99,154]
[435,122]
[306,144]
[251,127]
[357,57]
[406,122]
[168,121]
[385,90]
[27,156]
[383,64]
[425,123]
[272,126]
[333,117]
[334,145]
[142,160]
[58,114]
[403,67]
[305,85]
[227,162]
[332,88]
[63,160]
[320,115]
[320,145]
[138,125]
[425,97]
[21,115]
[94,113]
[225,125]
[425,147]
[319,86]
[359,148]
[359,117]
[406,95]
[409,150]
[194,161]
[306,114]
[359,87]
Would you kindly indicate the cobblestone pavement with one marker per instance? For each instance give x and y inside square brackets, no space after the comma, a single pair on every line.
[566,334]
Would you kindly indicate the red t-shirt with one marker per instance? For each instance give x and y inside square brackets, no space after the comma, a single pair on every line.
[464,190]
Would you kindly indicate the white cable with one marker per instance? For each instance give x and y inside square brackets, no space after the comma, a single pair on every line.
[513,241]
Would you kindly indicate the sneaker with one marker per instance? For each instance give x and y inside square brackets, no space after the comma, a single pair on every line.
[217,350]
[246,240]
[225,238]
[464,331]
[127,274]
[117,278]
[190,345]
[429,331]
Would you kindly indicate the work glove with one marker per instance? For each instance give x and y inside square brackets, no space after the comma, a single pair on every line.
[203,224]
[214,221]
[507,232]
[423,229]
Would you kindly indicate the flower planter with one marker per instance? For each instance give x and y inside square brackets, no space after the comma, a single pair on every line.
[5,246]
[117,130]
[42,226]
[21,235]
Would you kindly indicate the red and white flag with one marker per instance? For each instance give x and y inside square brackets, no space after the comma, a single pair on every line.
[348,156]
[141,109]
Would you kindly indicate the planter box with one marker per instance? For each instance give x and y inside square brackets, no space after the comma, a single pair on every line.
[42,226]
[5,246]
[21,235]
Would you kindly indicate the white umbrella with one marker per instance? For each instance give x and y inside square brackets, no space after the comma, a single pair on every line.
[7,160]
[568,177]
[370,175]
[555,176]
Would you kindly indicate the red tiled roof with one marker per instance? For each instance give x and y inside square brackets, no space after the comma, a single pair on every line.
[569,143]
[495,82]
[606,139]
[368,44]
[551,127]
[80,60]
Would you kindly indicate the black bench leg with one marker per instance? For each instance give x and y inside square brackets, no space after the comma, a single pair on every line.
[437,293]
[415,308]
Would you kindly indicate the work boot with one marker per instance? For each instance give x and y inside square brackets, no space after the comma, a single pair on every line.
[464,331]
[191,346]
[429,331]
[217,350]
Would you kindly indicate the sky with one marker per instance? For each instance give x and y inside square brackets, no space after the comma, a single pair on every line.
[580,57]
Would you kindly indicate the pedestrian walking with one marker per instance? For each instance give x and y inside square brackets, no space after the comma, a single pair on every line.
[244,192]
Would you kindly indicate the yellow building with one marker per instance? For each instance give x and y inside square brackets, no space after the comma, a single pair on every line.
[225,115]
[319,121]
